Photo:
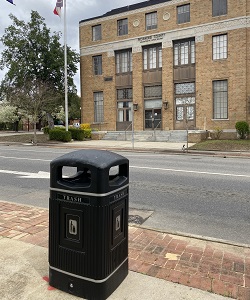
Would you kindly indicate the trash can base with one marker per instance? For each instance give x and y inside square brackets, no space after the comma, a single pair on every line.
[88,289]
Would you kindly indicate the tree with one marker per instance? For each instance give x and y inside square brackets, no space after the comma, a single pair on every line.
[8,113]
[36,97]
[74,106]
[34,57]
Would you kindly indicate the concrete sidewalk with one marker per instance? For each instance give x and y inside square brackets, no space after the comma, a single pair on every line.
[162,265]
[105,144]
[128,145]
[139,146]
[24,276]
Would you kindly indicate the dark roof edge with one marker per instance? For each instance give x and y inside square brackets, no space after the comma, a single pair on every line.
[126,8]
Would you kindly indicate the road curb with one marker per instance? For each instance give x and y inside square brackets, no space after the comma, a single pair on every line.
[193,236]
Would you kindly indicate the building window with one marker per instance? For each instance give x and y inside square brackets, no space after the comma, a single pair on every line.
[184,88]
[97,65]
[98,107]
[184,52]
[96,33]
[220,99]
[123,61]
[124,94]
[220,46]
[151,92]
[219,7]
[124,104]
[151,21]
[122,27]
[183,14]
[185,101]
[124,111]
[152,57]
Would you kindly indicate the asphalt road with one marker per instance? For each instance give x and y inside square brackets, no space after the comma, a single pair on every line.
[197,195]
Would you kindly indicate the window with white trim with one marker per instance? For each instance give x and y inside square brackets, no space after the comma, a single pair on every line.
[184,52]
[124,104]
[220,99]
[220,46]
[152,57]
[123,61]
[151,20]
[122,27]
[183,14]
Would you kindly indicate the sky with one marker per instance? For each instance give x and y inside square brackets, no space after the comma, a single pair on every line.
[77,10]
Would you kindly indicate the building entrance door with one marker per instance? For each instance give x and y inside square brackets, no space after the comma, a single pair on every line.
[185,112]
[185,116]
[153,118]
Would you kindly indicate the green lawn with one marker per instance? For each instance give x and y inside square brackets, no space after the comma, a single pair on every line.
[223,145]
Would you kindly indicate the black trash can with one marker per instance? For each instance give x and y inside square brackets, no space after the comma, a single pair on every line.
[88,223]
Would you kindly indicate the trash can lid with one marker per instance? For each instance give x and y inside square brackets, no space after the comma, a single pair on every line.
[100,159]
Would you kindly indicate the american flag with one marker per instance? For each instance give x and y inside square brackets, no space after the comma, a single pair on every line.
[11,1]
[59,5]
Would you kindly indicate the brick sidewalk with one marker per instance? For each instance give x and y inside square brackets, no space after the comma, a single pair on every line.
[206,265]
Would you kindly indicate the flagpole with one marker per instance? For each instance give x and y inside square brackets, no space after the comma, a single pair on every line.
[65,69]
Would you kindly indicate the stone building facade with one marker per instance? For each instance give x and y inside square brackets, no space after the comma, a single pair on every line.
[167,65]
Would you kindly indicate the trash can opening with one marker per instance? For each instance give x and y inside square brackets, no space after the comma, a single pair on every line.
[75,176]
[117,175]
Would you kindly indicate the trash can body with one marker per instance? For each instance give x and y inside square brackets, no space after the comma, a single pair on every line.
[88,223]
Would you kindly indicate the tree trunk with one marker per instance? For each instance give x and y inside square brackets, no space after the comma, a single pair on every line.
[16,124]
[35,137]
[50,121]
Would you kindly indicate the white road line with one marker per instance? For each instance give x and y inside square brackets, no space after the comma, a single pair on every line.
[24,158]
[191,171]
[29,175]
[36,150]
[146,168]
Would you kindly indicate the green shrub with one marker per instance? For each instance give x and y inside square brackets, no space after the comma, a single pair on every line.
[77,134]
[218,132]
[60,128]
[87,133]
[60,135]
[242,128]
[46,130]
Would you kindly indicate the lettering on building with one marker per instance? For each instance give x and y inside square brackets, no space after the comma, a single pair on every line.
[151,38]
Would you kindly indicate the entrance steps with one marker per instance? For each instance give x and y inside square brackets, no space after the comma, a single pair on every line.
[173,136]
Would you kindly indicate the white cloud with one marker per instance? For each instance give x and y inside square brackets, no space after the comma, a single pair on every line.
[77,10]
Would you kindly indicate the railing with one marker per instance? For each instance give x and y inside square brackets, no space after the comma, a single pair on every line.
[155,129]
[125,132]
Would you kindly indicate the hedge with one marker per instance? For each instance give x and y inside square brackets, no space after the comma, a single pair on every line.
[242,128]
[77,134]
[60,135]
[87,133]
[46,130]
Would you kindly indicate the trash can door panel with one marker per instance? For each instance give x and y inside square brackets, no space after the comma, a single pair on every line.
[71,228]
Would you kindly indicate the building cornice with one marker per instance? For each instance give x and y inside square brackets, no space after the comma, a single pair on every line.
[166,37]
[130,12]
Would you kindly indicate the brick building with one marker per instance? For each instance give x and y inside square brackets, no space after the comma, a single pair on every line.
[165,64]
